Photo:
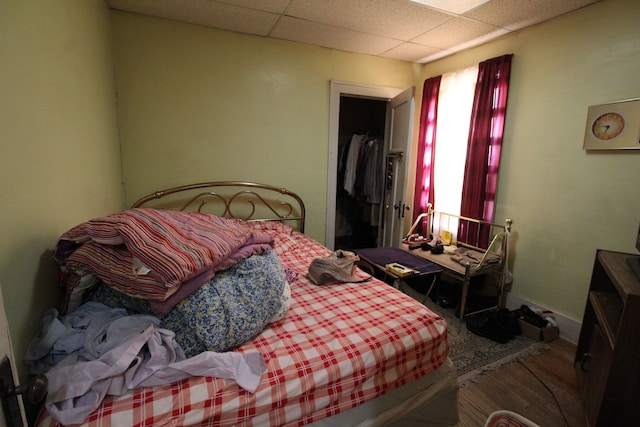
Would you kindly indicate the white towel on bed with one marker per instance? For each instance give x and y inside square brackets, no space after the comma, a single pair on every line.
[77,388]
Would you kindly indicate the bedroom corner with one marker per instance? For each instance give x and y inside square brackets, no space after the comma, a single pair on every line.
[565,202]
[60,157]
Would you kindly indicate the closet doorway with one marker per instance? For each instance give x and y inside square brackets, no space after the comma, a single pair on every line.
[360,172]
[370,129]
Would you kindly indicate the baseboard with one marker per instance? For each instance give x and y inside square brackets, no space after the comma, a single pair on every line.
[569,328]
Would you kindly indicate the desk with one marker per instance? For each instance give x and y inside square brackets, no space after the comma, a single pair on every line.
[379,257]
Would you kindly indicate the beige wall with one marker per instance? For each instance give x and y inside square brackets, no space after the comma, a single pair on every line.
[197,104]
[565,203]
[59,152]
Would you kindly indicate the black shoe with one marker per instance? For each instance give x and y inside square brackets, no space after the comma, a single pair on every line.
[485,326]
[508,320]
[532,317]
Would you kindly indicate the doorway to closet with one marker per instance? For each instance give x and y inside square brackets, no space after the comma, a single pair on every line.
[370,130]
[360,177]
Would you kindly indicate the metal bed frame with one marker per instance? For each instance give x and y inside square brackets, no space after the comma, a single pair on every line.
[233,199]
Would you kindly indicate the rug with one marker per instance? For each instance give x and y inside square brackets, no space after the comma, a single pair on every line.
[474,355]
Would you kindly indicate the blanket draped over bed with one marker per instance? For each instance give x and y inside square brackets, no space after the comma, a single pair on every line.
[150,253]
[325,349]
[214,282]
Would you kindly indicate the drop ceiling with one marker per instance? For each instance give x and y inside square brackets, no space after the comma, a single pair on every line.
[397,29]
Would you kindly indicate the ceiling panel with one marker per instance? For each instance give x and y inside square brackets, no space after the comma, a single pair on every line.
[399,19]
[456,31]
[309,32]
[517,14]
[275,6]
[411,52]
[398,29]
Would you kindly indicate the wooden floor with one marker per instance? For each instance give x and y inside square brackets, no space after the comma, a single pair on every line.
[519,388]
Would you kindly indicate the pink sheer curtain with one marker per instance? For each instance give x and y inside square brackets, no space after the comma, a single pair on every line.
[485,142]
[423,192]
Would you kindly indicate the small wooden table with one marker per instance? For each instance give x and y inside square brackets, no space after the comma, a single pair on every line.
[425,272]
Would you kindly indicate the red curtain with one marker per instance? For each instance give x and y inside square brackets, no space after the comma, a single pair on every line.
[485,142]
[423,192]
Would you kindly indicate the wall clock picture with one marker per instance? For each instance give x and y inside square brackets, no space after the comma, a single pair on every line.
[614,126]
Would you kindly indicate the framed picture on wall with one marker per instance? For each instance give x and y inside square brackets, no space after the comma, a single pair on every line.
[613,126]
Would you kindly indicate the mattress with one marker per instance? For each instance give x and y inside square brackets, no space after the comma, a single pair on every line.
[338,347]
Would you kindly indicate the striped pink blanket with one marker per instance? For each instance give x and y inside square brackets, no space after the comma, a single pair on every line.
[149,253]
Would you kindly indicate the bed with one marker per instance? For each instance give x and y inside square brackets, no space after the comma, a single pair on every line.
[470,248]
[339,354]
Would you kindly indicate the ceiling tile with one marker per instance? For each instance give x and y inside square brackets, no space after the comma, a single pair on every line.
[374,27]
[411,52]
[233,18]
[302,31]
[517,14]
[398,19]
[458,6]
[204,12]
[274,6]
[454,32]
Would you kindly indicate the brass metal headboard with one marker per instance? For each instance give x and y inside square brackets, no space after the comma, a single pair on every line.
[232,199]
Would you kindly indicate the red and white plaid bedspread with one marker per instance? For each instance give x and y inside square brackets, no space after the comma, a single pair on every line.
[339,346]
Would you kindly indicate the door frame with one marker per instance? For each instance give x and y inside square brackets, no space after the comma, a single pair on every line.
[6,350]
[339,88]
[399,134]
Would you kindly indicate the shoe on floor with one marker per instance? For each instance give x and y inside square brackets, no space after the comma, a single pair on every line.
[509,320]
[488,327]
[532,317]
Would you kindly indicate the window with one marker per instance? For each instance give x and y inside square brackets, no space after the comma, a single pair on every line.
[461,128]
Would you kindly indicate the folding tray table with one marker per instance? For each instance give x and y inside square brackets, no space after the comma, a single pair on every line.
[425,271]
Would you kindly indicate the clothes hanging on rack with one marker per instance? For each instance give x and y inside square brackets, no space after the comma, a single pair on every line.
[372,171]
[360,183]
[363,168]
[351,162]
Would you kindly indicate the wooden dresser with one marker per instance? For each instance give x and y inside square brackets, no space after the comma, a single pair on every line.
[607,361]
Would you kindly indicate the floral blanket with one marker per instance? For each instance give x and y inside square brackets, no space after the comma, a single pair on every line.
[233,307]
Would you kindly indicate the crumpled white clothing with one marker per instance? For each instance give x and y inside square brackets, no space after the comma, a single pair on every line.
[77,388]
[88,332]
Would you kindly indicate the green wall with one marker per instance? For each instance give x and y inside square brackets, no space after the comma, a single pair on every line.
[59,152]
[198,104]
[565,202]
